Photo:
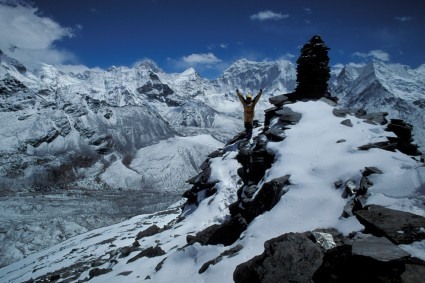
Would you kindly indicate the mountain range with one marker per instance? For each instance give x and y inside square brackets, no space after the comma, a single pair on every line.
[133,134]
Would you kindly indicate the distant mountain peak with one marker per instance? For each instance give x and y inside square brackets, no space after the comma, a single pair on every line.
[149,65]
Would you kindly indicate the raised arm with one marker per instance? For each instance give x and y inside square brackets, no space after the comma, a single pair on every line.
[258,96]
[242,100]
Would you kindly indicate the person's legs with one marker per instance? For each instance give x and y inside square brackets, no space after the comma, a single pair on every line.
[248,130]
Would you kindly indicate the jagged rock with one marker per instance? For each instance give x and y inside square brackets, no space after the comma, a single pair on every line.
[266,198]
[347,122]
[376,118]
[390,146]
[414,273]
[93,104]
[149,252]
[9,85]
[127,250]
[50,136]
[360,113]
[325,240]
[62,123]
[379,248]
[255,161]
[275,134]
[287,116]
[341,265]
[340,112]
[103,143]
[98,271]
[338,184]
[330,100]
[353,205]
[158,267]
[217,153]
[229,253]
[249,191]
[74,110]
[402,129]
[365,184]
[278,100]
[150,231]
[108,114]
[350,189]
[398,226]
[268,115]
[292,257]
[225,234]
[85,132]
[371,170]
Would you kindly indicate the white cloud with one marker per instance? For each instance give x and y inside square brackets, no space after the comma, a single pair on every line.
[308,10]
[77,69]
[403,19]
[205,63]
[203,58]
[377,54]
[268,15]
[23,27]
[213,46]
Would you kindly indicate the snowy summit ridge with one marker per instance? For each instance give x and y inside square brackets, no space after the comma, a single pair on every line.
[304,190]
[99,137]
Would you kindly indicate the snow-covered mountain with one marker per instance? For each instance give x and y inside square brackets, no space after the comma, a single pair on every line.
[393,88]
[304,201]
[105,131]
[132,133]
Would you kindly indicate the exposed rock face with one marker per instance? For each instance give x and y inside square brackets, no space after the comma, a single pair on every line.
[312,256]
[379,248]
[318,256]
[398,226]
[341,265]
[292,257]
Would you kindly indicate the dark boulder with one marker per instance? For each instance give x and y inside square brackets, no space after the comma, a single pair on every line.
[398,226]
[340,112]
[347,122]
[265,199]
[278,100]
[98,271]
[228,253]
[226,233]
[292,257]
[379,248]
[149,252]
[341,265]
[287,116]
[150,231]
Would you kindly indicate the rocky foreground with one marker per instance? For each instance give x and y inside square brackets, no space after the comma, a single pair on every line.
[320,194]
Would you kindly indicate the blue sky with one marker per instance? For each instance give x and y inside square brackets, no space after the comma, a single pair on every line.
[209,35]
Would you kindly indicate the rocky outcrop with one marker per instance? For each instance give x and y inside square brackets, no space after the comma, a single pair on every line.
[326,256]
[398,226]
[292,257]
[403,141]
[315,256]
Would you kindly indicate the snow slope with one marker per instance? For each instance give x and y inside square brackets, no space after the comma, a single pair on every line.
[393,88]
[317,152]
